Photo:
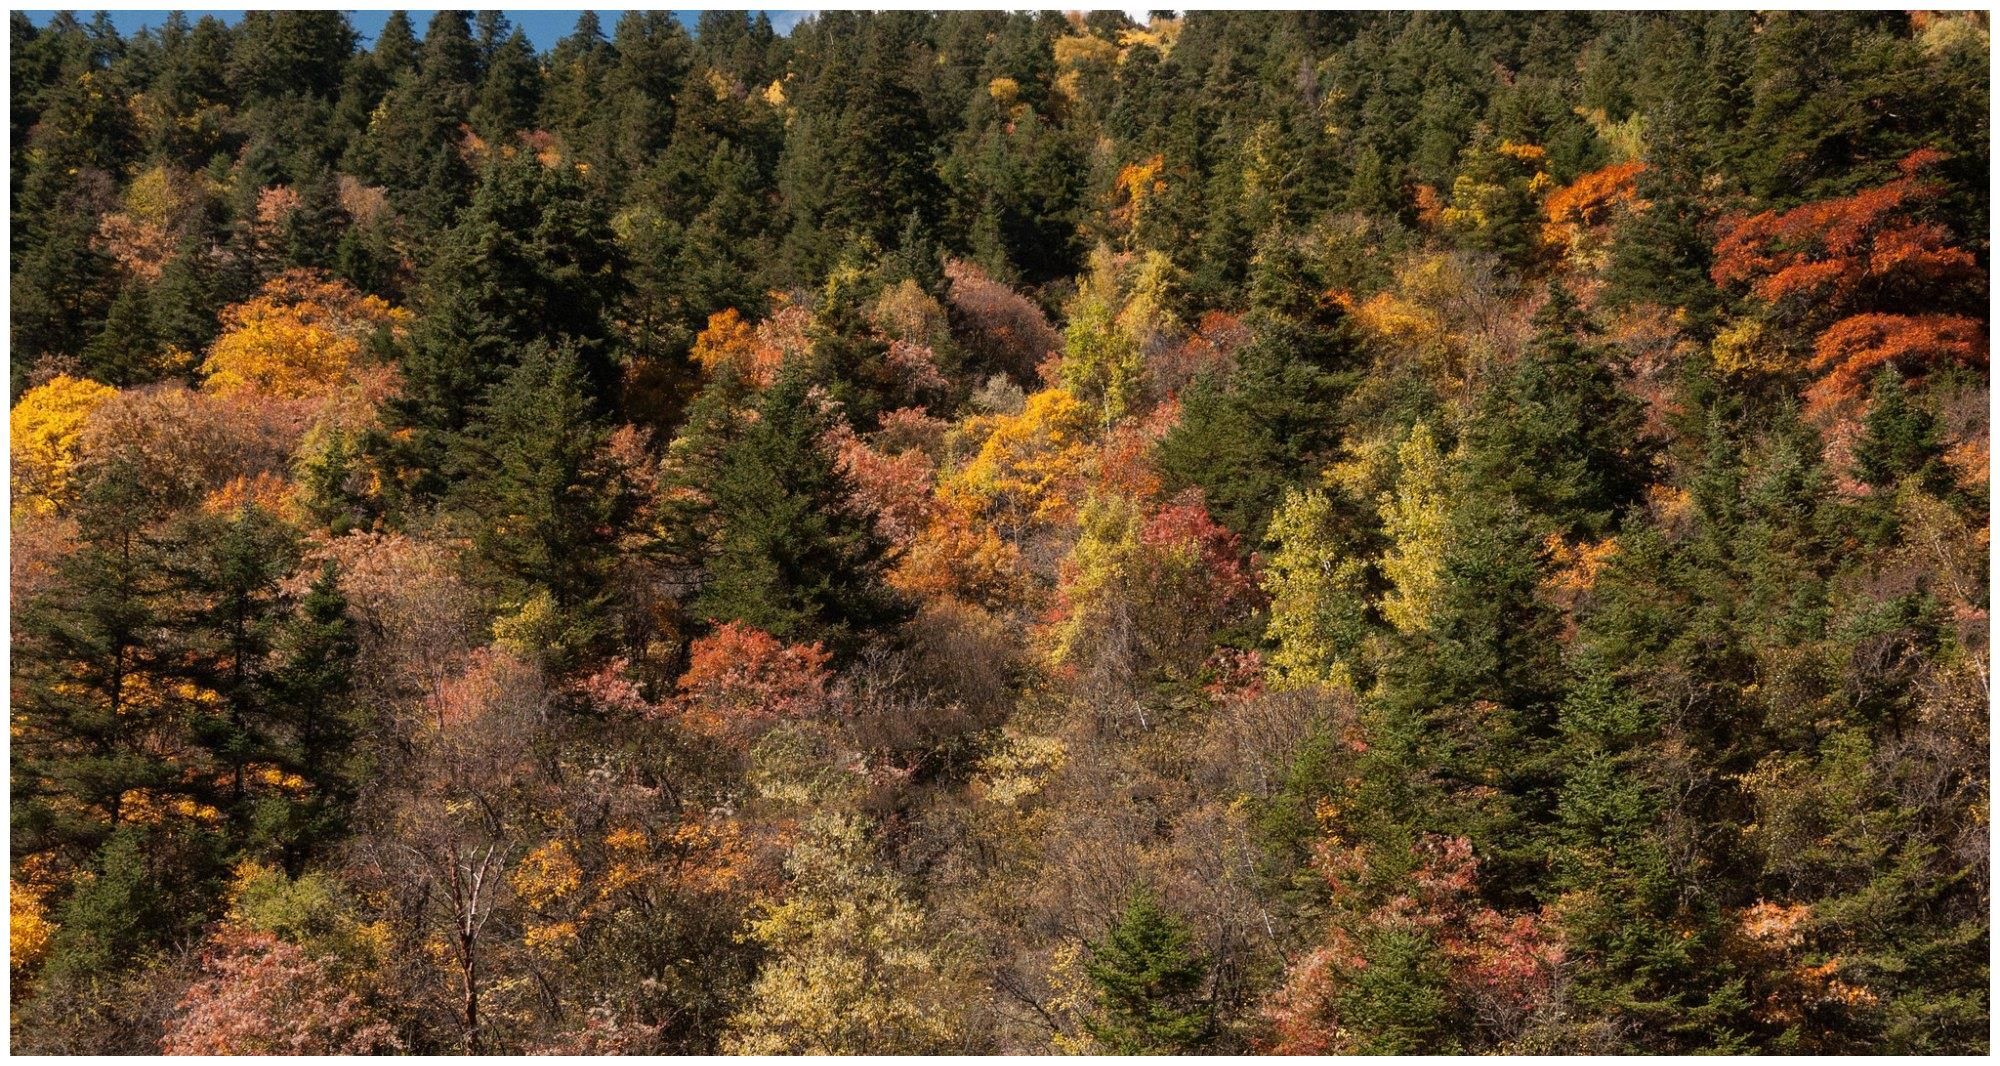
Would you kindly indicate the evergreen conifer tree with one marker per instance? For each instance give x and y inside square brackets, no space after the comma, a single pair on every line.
[1150,980]
[795,555]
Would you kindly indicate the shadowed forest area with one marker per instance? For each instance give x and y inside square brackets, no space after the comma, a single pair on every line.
[1001,533]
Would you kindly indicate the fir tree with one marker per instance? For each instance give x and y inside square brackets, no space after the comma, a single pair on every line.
[228,567]
[533,484]
[1243,439]
[1899,440]
[533,259]
[125,352]
[1151,981]
[94,726]
[311,687]
[795,556]
[510,96]
[1556,434]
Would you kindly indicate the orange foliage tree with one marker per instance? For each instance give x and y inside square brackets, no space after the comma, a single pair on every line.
[895,486]
[1578,214]
[958,556]
[731,345]
[741,680]
[1842,274]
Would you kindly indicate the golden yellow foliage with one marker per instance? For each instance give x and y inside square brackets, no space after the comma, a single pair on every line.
[1031,462]
[1136,183]
[1075,52]
[28,927]
[1018,767]
[1574,569]
[1102,363]
[47,425]
[730,344]
[299,337]
[546,875]
[1740,348]
[1160,34]
[549,938]
[1415,517]
[1422,318]
[1366,467]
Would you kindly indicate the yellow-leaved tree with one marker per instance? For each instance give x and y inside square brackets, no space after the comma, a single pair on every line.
[47,425]
[1416,516]
[850,968]
[1318,598]
[299,337]
[1101,362]
[1031,464]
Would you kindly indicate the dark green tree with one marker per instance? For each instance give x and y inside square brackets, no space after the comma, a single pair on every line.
[93,724]
[533,259]
[533,485]
[1275,417]
[510,96]
[1899,440]
[226,569]
[793,554]
[1151,982]
[310,684]
[125,352]
[1556,433]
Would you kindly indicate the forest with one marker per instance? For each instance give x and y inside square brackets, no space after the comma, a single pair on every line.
[996,533]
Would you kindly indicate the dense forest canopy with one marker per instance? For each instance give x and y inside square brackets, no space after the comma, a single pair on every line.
[977,532]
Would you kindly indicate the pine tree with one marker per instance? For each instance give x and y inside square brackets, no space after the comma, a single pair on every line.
[1662,252]
[1556,434]
[849,355]
[794,555]
[275,53]
[577,66]
[533,259]
[1151,981]
[310,684]
[93,721]
[1275,418]
[126,352]
[188,298]
[421,112]
[532,483]
[148,885]
[62,284]
[226,569]
[1626,914]
[1899,440]
[510,96]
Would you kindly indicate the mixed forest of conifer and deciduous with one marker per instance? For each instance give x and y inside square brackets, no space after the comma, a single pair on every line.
[989,532]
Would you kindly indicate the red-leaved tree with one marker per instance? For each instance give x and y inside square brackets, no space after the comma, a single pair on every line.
[259,995]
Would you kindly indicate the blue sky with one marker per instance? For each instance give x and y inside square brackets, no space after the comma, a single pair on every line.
[544,28]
